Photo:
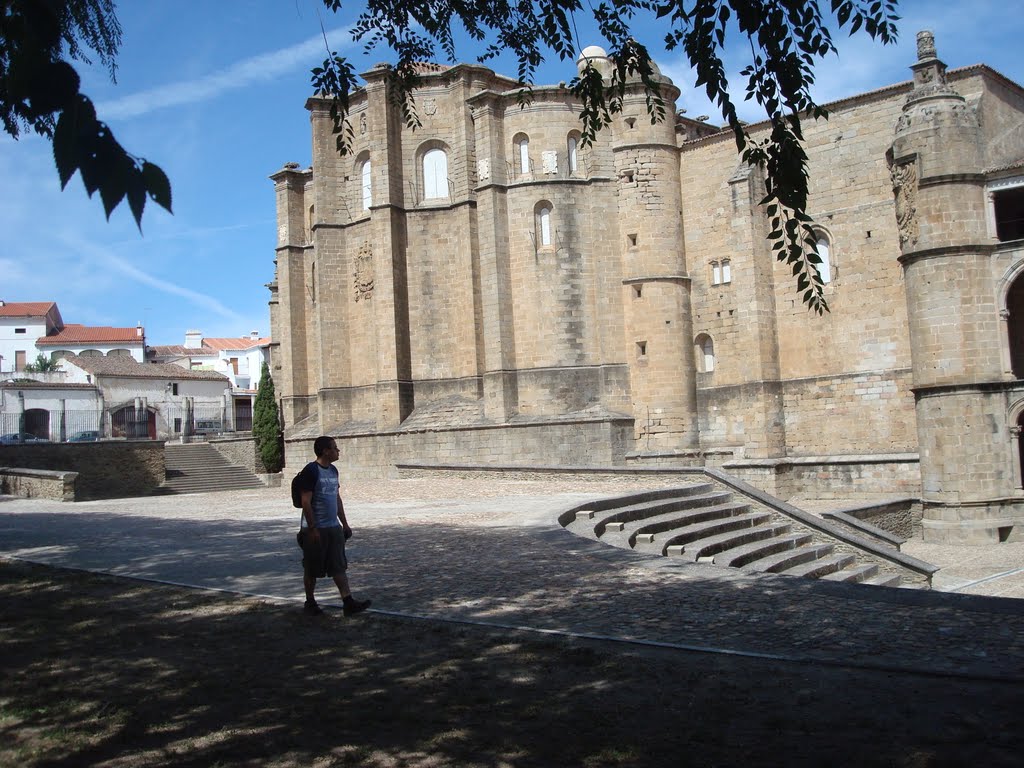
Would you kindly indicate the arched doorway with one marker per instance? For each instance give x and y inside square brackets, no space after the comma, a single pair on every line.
[127,422]
[1015,326]
[37,422]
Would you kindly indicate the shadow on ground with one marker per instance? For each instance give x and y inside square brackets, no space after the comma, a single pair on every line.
[107,671]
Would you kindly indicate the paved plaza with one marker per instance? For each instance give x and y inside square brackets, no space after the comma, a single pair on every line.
[491,551]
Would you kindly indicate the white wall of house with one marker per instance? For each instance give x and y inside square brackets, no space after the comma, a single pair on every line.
[68,409]
[134,350]
[19,334]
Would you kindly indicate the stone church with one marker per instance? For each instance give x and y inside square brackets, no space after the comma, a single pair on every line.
[486,290]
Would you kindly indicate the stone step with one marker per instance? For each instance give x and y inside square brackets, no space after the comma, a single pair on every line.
[624,515]
[883,580]
[200,468]
[857,573]
[783,561]
[730,540]
[640,533]
[815,569]
[738,557]
[698,531]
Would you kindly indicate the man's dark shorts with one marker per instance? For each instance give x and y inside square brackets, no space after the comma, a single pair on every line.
[326,557]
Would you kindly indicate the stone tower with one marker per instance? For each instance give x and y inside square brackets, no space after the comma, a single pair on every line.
[960,388]
[655,283]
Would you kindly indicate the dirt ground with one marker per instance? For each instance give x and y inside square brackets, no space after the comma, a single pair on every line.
[100,671]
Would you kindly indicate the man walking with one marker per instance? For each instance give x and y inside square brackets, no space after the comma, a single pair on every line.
[325,528]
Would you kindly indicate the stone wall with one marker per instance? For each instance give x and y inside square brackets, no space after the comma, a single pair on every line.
[578,443]
[242,452]
[832,477]
[38,483]
[106,470]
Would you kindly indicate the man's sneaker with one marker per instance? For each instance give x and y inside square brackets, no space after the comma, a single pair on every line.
[312,608]
[352,607]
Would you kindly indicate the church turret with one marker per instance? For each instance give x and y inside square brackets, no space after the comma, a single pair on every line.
[656,286]
[936,163]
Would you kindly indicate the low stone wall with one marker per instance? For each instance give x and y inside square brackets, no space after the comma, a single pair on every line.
[900,517]
[38,483]
[107,469]
[576,443]
[240,451]
[868,477]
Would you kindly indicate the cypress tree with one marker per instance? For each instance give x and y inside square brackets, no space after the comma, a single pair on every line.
[266,428]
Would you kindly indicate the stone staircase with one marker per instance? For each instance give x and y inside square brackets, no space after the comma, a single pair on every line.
[199,468]
[734,525]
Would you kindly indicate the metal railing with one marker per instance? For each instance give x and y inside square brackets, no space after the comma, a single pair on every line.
[166,422]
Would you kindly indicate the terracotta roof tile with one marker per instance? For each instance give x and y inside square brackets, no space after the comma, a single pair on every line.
[243,342]
[129,367]
[91,334]
[26,308]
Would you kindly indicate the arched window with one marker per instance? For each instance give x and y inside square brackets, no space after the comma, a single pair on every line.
[364,176]
[521,144]
[119,353]
[1015,326]
[704,349]
[824,249]
[543,223]
[435,174]
[572,145]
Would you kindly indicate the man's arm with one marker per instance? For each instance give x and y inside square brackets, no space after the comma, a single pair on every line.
[307,512]
[341,513]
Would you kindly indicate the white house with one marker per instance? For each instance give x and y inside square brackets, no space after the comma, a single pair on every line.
[152,399]
[240,359]
[31,328]
[21,324]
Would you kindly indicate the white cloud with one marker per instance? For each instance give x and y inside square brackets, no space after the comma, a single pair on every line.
[255,69]
[164,286]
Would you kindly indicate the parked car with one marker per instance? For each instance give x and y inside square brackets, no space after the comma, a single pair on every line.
[85,436]
[208,426]
[14,438]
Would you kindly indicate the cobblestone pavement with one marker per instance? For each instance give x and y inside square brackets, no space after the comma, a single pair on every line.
[491,551]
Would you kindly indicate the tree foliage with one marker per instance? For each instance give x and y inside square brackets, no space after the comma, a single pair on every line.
[40,91]
[266,427]
[786,38]
[42,364]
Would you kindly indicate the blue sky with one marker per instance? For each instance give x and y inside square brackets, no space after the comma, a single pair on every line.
[214,94]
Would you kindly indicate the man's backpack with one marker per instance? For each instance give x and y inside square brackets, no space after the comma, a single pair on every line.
[296,490]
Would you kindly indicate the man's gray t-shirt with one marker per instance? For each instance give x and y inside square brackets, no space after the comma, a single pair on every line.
[324,483]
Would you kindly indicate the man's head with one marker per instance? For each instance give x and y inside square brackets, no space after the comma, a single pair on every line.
[324,444]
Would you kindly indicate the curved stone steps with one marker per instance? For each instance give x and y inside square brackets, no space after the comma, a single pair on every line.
[715,523]
[784,561]
[711,546]
[638,533]
[693,533]
[823,566]
[749,553]
[618,520]
[858,573]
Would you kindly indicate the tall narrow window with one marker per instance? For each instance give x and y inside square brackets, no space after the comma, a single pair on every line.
[523,154]
[544,225]
[572,143]
[365,177]
[716,273]
[726,271]
[435,174]
[824,252]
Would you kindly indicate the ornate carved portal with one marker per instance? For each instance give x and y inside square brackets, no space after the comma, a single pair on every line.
[364,272]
